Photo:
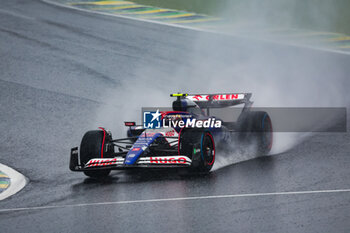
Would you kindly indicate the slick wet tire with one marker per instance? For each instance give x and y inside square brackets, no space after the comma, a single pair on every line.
[90,148]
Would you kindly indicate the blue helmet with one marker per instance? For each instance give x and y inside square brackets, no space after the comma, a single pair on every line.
[186,105]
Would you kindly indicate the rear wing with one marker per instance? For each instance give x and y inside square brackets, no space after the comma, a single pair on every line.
[220,100]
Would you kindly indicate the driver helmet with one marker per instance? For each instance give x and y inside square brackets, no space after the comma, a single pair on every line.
[184,105]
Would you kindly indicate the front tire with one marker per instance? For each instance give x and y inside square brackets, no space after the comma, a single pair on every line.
[92,147]
[200,145]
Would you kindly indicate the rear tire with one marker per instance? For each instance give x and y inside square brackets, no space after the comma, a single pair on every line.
[90,148]
[256,127]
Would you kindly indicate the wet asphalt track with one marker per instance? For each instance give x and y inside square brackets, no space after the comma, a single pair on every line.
[55,63]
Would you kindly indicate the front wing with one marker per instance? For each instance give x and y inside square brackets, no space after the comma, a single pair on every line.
[118,162]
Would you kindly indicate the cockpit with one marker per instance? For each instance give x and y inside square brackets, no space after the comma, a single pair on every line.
[187,105]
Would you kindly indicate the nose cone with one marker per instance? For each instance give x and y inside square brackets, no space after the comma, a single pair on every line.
[133,154]
[141,144]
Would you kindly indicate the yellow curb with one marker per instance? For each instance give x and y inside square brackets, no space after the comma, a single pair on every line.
[101,3]
[340,38]
[144,12]
[3,186]
[118,7]
[170,16]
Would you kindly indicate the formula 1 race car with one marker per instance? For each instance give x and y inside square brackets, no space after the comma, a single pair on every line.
[186,137]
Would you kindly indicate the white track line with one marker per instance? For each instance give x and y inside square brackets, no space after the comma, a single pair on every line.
[177,199]
[18,181]
[197,29]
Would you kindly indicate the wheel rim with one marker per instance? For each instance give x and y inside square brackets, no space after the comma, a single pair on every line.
[208,149]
